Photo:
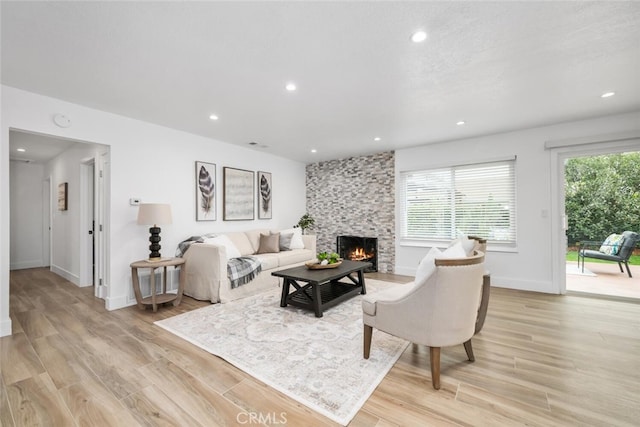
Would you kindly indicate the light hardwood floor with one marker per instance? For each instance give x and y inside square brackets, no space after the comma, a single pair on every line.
[540,360]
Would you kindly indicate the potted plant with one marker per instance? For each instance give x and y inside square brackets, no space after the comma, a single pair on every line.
[306,221]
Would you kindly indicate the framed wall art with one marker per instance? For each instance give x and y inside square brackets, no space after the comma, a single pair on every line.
[238,195]
[62,196]
[205,191]
[265,201]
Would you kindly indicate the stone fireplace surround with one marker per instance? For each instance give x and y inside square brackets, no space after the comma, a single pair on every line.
[354,197]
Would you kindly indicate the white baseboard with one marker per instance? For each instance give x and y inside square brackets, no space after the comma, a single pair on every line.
[501,282]
[73,278]
[26,264]
[114,303]
[405,271]
[523,285]
[5,327]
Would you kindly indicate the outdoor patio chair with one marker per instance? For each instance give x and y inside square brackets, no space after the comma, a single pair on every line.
[613,249]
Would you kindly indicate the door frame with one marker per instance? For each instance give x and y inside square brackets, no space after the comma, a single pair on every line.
[47,223]
[102,242]
[560,151]
[87,221]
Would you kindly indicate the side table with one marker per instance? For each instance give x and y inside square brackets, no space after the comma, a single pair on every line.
[154,300]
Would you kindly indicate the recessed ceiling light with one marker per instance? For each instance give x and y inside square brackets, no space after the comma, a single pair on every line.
[607,94]
[377,138]
[22,150]
[314,150]
[460,123]
[291,87]
[213,117]
[419,36]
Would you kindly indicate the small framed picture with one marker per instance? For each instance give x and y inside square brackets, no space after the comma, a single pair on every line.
[265,200]
[62,196]
[205,191]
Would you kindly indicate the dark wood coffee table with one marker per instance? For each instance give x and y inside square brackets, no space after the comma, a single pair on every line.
[322,289]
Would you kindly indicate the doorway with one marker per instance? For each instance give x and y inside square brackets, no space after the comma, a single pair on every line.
[560,152]
[72,245]
[601,199]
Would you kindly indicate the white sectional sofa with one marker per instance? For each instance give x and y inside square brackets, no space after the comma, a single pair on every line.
[206,265]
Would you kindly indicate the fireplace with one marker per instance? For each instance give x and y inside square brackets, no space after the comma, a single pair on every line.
[358,248]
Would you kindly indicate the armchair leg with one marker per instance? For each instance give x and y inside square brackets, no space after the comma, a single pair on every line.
[368,332]
[626,264]
[434,354]
[620,265]
[469,350]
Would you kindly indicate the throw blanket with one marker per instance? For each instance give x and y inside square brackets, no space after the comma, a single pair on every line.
[184,245]
[243,270]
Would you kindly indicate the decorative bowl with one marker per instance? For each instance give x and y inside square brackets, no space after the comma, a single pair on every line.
[315,265]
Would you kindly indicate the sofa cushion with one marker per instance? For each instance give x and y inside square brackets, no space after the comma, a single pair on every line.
[294,256]
[390,294]
[269,243]
[241,241]
[222,240]
[268,261]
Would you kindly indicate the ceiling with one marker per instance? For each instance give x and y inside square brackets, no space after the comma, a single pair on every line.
[497,66]
[37,148]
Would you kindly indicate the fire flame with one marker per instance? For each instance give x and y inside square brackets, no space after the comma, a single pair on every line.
[359,254]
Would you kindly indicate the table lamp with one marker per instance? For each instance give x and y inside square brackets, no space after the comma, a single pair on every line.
[154,214]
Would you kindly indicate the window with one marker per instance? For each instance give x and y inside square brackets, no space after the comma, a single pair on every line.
[477,200]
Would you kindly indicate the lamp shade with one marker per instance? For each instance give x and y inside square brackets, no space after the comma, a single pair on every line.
[154,214]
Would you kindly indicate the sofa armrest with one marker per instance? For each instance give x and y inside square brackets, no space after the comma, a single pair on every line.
[309,241]
[206,271]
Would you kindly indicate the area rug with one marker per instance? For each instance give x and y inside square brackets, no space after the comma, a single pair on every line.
[316,361]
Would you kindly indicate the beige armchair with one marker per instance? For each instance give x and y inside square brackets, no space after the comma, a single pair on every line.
[440,311]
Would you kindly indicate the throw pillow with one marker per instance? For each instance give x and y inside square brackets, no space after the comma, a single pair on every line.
[269,243]
[296,239]
[467,244]
[612,244]
[427,265]
[222,240]
[455,251]
[285,241]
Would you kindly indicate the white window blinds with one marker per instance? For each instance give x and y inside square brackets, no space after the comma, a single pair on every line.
[477,200]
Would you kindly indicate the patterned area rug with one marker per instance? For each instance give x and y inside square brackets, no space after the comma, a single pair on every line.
[316,361]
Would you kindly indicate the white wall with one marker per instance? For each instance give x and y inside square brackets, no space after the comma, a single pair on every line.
[65,225]
[529,266]
[27,210]
[150,162]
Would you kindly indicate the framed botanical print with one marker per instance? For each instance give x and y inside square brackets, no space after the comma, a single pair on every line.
[238,195]
[265,201]
[205,191]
